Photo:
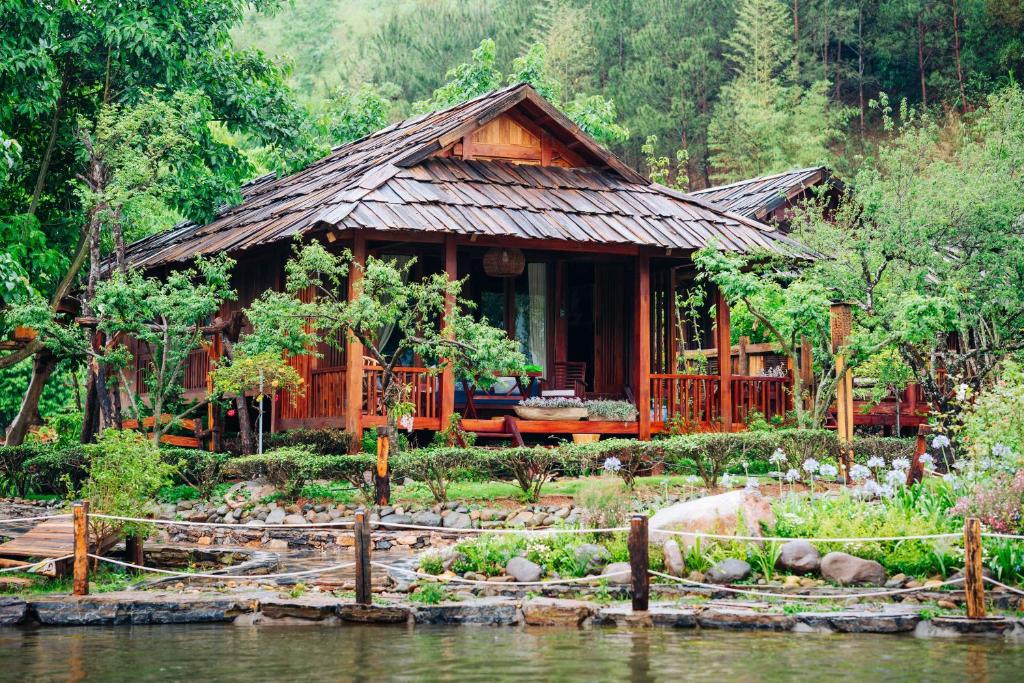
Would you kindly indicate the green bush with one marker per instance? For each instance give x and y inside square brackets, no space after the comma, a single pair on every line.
[631,457]
[438,467]
[202,470]
[326,441]
[887,448]
[289,469]
[15,478]
[54,465]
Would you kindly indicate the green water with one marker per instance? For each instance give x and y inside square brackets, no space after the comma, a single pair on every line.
[366,653]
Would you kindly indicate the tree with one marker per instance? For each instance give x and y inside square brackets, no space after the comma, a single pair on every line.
[384,299]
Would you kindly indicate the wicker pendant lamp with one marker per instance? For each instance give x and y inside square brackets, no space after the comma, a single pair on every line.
[504,262]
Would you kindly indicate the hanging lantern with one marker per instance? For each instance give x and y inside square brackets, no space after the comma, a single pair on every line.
[504,262]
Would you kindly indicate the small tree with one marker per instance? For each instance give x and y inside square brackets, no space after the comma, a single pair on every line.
[384,299]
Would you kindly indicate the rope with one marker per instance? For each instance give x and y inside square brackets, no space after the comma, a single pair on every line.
[1003,585]
[243,577]
[994,534]
[787,596]
[783,539]
[32,567]
[528,532]
[32,519]
[459,579]
[176,522]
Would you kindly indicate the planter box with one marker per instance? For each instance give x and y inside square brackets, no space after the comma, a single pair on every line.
[550,413]
[585,438]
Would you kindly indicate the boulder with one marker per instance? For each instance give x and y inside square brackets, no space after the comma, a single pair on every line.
[294,519]
[799,557]
[458,520]
[674,563]
[721,514]
[556,612]
[12,611]
[522,570]
[615,568]
[847,570]
[594,557]
[426,518]
[728,571]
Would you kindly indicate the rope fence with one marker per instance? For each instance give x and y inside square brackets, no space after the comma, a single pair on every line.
[14,520]
[638,541]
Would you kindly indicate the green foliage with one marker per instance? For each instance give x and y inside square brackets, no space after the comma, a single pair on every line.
[993,424]
[763,556]
[177,493]
[324,441]
[125,473]
[438,467]
[245,374]
[291,468]
[429,594]
[431,563]
[603,409]
[605,502]
[198,469]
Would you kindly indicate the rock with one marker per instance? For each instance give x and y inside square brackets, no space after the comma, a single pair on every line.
[12,610]
[847,570]
[374,614]
[523,570]
[294,519]
[897,581]
[491,611]
[738,618]
[307,607]
[277,544]
[426,518]
[799,557]
[674,563]
[615,568]
[721,514]
[458,520]
[557,612]
[397,519]
[887,620]
[728,571]
[138,607]
[593,556]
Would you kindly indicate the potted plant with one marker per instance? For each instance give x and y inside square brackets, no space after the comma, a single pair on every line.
[556,408]
[606,410]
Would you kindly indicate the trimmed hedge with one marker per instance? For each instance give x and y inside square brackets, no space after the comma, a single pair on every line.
[289,469]
[326,441]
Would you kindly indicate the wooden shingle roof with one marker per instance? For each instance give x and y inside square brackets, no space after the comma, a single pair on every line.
[391,180]
[757,197]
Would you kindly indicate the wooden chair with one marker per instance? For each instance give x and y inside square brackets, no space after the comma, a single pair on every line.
[567,376]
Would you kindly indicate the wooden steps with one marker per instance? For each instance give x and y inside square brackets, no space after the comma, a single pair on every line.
[50,539]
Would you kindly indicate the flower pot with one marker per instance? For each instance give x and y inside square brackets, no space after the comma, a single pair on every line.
[527,413]
[585,438]
[24,334]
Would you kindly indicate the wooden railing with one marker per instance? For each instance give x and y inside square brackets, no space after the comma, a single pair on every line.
[692,402]
[423,391]
[770,396]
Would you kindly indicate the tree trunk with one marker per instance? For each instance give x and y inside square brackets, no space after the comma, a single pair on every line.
[920,60]
[956,54]
[42,367]
[51,143]
[860,65]
[387,436]
[241,403]
[91,414]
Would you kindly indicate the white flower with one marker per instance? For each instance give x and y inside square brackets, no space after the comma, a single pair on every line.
[727,480]
[693,479]
[895,478]
[901,464]
[792,475]
[926,460]
[752,484]
[859,472]
[961,392]
[940,441]
[810,465]
[985,464]
[875,462]
[406,422]
[886,491]
[1001,450]
[870,489]
[612,464]
[828,471]
[778,457]
[960,465]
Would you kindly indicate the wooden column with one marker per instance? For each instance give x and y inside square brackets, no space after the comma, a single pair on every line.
[974,584]
[807,371]
[639,562]
[363,541]
[744,357]
[723,342]
[561,326]
[80,520]
[642,333]
[354,356]
[451,269]
[841,323]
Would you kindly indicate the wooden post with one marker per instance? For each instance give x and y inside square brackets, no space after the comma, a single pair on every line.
[364,539]
[744,357]
[643,345]
[354,354]
[382,480]
[639,561]
[451,269]
[806,372]
[723,342]
[841,323]
[80,516]
[974,583]
[133,551]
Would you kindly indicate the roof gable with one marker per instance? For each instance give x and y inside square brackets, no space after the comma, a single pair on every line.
[757,198]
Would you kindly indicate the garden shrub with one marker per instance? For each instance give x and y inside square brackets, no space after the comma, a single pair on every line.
[15,478]
[289,469]
[325,441]
[993,426]
[884,447]
[605,502]
[202,470]
[626,457]
[997,500]
[438,467]
[54,466]
[531,467]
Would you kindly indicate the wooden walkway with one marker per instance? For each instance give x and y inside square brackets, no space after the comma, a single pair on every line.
[51,539]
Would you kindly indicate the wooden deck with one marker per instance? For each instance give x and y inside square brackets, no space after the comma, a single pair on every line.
[51,539]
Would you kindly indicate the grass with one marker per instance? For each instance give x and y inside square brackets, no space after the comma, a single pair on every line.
[103,580]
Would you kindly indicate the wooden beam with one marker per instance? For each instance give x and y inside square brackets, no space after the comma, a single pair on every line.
[642,335]
[354,355]
[561,327]
[451,269]
[723,337]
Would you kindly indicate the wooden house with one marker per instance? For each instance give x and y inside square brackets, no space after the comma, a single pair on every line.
[597,252]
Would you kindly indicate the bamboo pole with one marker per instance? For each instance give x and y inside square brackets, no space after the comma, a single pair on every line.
[974,584]
[363,539]
[639,558]
[80,515]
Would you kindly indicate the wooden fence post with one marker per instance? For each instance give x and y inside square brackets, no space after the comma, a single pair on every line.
[974,582]
[382,475]
[133,551]
[364,539]
[80,516]
[639,558]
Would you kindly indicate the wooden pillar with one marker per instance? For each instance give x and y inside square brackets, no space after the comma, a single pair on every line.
[806,372]
[80,518]
[363,541]
[639,562]
[723,342]
[744,357]
[561,327]
[841,323]
[974,583]
[354,355]
[451,269]
[134,551]
[642,332]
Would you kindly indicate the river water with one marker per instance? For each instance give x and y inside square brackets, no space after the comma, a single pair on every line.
[369,653]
